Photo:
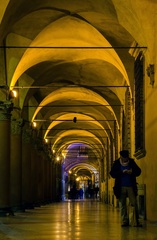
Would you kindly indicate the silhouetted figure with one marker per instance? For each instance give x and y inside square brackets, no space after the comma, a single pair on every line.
[91,192]
[81,193]
[96,190]
[125,171]
[74,192]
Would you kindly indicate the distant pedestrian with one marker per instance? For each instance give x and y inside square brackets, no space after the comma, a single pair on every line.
[96,190]
[81,193]
[125,171]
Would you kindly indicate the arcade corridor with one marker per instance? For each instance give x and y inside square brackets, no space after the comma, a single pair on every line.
[72,220]
[78,84]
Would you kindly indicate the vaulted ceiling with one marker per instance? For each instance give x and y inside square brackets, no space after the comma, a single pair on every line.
[70,63]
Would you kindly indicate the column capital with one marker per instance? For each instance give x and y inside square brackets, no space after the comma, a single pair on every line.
[27,135]
[5,110]
[16,126]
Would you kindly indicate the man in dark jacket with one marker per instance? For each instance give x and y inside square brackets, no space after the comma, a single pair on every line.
[125,171]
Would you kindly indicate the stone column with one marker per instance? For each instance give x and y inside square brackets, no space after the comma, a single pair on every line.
[46,176]
[58,182]
[44,181]
[49,155]
[93,179]
[41,178]
[53,181]
[37,158]
[34,168]
[63,182]
[5,115]
[40,187]
[16,165]
[50,181]
[26,168]
[102,178]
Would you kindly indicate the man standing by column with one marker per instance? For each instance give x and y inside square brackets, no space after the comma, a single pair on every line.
[125,171]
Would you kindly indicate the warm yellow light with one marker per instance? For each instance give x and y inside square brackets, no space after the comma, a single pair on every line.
[34,124]
[57,158]
[14,93]
[46,140]
[70,172]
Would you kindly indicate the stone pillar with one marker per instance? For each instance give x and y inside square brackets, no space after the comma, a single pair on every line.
[42,177]
[53,181]
[37,172]
[16,165]
[106,178]
[48,173]
[93,179]
[51,172]
[46,181]
[102,179]
[58,181]
[50,180]
[26,168]
[34,169]
[5,115]
[63,182]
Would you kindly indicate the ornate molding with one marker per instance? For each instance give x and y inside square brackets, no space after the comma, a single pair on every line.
[140,153]
[27,135]
[135,49]
[5,110]
[16,126]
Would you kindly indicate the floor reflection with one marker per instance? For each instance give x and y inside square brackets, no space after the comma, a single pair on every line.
[72,220]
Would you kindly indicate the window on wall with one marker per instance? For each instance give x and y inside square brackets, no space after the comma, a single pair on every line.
[126,122]
[139,107]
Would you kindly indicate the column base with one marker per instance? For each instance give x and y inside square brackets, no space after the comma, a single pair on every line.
[6,211]
[17,209]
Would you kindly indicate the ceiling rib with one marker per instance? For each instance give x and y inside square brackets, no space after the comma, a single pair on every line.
[69,120]
[75,47]
[69,105]
[45,87]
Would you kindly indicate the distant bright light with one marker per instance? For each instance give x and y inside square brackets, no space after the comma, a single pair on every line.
[34,124]
[14,93]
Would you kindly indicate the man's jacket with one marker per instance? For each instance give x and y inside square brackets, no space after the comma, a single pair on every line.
[117,173]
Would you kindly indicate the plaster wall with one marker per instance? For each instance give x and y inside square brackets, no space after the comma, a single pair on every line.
[149,163]
[3,6]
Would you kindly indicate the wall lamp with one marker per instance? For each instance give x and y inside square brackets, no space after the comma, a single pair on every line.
[150,73]
[12,94]
[34,124]
[75,119]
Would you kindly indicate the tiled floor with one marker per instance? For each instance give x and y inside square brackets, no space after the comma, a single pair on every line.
[81,220]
